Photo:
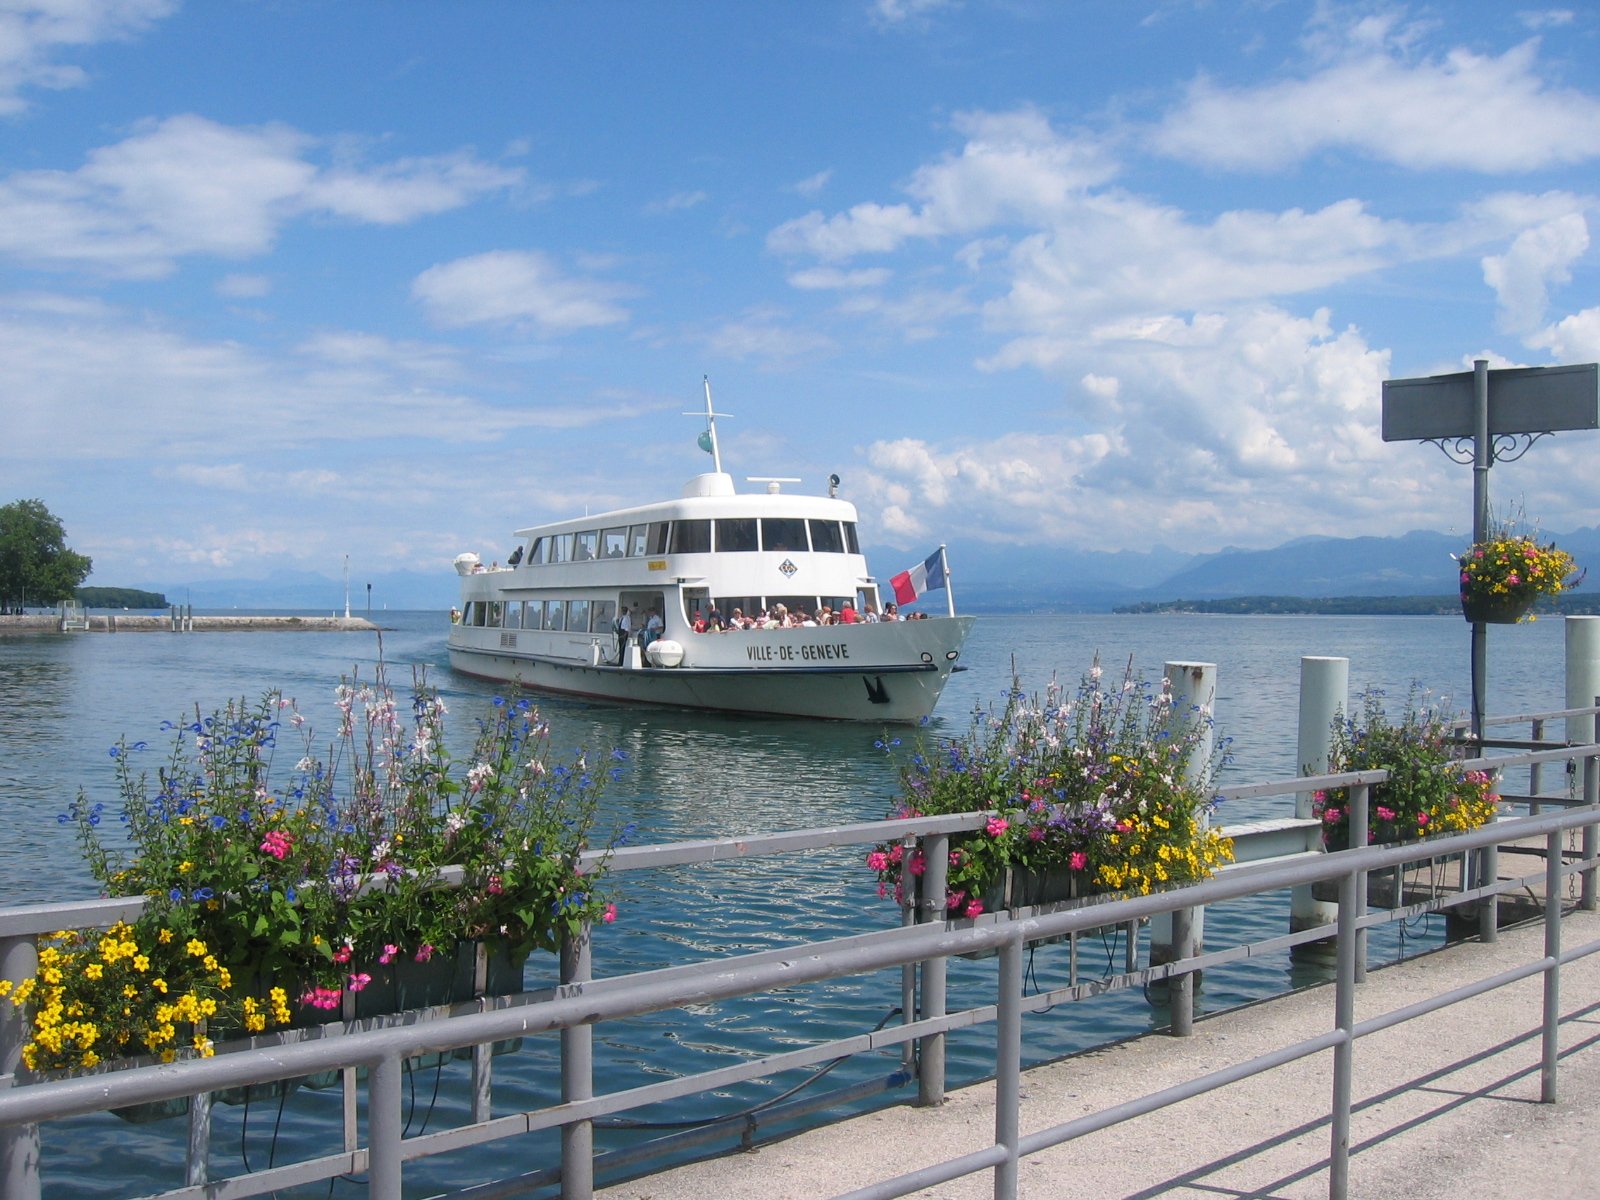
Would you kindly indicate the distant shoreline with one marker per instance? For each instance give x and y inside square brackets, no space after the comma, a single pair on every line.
[43,623]
[1577,604]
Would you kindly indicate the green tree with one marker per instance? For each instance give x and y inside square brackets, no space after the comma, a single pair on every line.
[36,567]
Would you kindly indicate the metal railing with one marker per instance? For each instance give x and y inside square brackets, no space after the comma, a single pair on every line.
[573,1008]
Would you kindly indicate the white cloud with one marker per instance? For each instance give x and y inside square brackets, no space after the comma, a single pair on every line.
[899,12]
[677,202]
[34,32]
[832,278]
[1537,258]
[813,184]
[1012,168]
[1462,110]
[1571,339]
[762,337]
[190,186]
[508,287]
[238,286]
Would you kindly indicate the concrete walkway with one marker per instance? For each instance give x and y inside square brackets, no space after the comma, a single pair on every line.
[1447,1106]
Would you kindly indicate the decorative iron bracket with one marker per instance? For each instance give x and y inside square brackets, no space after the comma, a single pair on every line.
[1503,447]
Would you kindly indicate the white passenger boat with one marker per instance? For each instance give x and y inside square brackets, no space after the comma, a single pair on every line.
[548,619]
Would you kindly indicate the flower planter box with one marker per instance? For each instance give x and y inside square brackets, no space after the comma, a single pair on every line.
[1396,887]
[405,985]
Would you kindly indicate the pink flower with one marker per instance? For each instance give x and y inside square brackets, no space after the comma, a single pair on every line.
[321,997]
[917,864]
[1385,813]
[424,952]
[495,887]
[878,861]
[1036,834]
[974,907]
[1078,860]
[997,826]
[1422,818]
[357,982]
[896,853]
[388,954]
[610,914]
[343,953]
[954,899]
[276,843]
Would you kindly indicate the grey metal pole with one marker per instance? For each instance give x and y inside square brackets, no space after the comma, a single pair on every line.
[1591,842]
[1489,907]
[19,1144]
[1359,803]
[1008,1068]
[384,1129]
[1551,1045]
[1482,460]
[577,1077]
[935,877]
[1536,774]
[1351,887]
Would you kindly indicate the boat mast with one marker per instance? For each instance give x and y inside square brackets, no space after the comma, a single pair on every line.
[708,440]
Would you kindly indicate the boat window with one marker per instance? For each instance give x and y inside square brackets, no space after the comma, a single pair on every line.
[636,540]
[555,615]
[560,548]
[690,537]
[851,545]
[533,614]
[656,542]
[605,616]
[583,547]
[805,604]
[736,533]
[474,613]
[513,614]
[783,533]
[536,552]
[494,614]
[614,543]
[578,616]
[825,537]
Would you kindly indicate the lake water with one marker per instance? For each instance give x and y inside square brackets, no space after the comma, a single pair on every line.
[65,700]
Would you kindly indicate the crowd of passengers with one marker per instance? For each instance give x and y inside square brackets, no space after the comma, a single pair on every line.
[782,617]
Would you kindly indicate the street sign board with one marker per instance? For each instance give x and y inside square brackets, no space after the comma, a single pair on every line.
[1521,400]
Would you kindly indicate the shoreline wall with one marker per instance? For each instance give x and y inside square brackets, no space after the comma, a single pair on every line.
[162,623]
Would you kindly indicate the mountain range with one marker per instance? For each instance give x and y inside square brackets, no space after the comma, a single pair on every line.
[989,577]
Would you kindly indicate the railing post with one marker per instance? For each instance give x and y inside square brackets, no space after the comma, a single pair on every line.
[1489,906]
[935,876]
[1352,886]
[1360,800]
[384,1129]
[1536,773]
[1551,1046]
[1591,797]
[577,1077]
[1008,1068]
[19,1144]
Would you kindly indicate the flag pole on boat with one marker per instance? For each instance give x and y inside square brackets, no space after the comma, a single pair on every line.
[949,592]
[708,439]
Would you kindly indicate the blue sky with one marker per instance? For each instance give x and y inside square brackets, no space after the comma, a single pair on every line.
[283,281]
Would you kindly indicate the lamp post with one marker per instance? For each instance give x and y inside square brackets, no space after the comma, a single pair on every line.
[1483,417]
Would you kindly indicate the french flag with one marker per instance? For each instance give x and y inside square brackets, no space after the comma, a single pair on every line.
[926,576]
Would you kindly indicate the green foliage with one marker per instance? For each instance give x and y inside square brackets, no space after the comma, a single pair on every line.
[112,597]
[35,565]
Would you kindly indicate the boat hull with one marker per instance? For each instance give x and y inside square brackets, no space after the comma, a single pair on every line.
[886,673]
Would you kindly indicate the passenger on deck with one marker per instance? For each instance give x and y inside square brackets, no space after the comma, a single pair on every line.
[870,617]
[848,614]
[699,621]
[891,612]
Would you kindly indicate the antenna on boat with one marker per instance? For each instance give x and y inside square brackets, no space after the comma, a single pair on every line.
[708,439]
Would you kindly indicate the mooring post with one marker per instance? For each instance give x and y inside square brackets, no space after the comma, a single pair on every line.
[1324,698]
[577,1075]
[1194,696]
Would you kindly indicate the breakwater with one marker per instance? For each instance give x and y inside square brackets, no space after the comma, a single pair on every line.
[164,623]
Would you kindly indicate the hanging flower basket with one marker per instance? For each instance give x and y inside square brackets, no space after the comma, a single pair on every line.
[1502,576]
[1496,610]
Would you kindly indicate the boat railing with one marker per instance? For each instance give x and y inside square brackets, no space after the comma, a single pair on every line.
[1276,856]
